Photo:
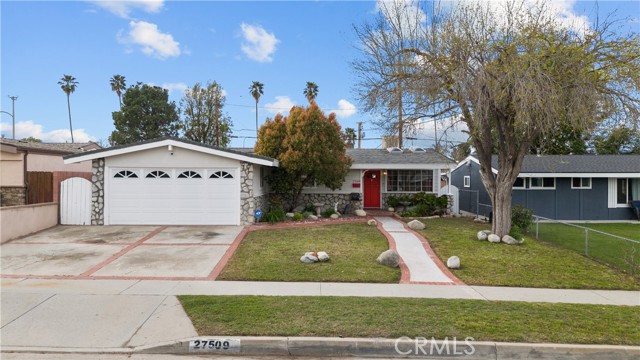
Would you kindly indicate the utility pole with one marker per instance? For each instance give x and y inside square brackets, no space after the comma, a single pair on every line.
[359,133]
[13,115]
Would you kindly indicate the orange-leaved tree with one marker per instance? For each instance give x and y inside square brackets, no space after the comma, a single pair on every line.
[310,150]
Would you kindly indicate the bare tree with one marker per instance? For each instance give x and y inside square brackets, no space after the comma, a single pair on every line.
[515,76]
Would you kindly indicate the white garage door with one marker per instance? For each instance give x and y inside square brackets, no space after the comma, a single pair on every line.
[173,196]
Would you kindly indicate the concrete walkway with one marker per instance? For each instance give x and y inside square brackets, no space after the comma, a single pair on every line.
[422,265]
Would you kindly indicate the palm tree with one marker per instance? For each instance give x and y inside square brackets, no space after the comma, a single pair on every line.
[311,91]
[256,89]
[68,84]
[118,84]
[350,135]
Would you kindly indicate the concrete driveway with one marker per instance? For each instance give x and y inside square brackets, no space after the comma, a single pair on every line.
[119,252]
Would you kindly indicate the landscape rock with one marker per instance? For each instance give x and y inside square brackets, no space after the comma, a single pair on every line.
[509,240]
[372,222]
[391,209]
[289,215]
[480,221]
[493,238]
[453,262]
[309,257]
[360,212]
[323,256]
[312,217]
[484,234]
[416,225]
[334,216]
[389,258]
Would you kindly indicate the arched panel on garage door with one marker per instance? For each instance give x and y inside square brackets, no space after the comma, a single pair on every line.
[173,196]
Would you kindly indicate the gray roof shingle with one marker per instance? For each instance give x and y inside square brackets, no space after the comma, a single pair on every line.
[62,148]
[578,164]
[382,156]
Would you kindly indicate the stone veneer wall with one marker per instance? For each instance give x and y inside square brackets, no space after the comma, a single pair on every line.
[329,200]
[13,195]
[247,201]
[97,192]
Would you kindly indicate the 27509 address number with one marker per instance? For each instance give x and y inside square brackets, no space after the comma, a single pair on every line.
[226,345]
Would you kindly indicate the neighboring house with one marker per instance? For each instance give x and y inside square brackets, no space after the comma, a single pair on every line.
[561,187]
[21,159]
[377,174]
[172,181]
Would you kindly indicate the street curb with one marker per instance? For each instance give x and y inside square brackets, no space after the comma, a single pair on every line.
[400,348]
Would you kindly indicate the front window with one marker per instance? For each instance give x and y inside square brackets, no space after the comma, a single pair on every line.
[542,183]
[519,183]
[410,181]
[581,183]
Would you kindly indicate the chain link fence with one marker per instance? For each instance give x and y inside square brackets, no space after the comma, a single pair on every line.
[616,251]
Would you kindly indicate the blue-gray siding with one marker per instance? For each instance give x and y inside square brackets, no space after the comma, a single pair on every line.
[563,203]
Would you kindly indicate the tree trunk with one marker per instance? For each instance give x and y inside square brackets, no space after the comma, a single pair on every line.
[69,109]
[256,120]
[502,209]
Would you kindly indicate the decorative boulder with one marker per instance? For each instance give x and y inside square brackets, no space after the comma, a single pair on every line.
[511,241]
[290,215]
[334,216]
[493,238]
[390,209]
[479,221]
[361,212]
[372,222]
[416,225]
[453,262]
[389,258]
[484,234]
[323,256]
[312,217]
[309,257]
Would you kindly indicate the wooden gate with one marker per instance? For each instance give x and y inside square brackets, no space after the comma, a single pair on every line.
[75,201]
[39,187]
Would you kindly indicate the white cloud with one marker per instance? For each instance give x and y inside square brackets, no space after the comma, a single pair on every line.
[152,41]
[345,109]
[282,105]
[25,129]
[394,10]
[180,87]
[258,45]
[123,8]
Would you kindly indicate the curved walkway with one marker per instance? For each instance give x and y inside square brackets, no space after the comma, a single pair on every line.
[420,264]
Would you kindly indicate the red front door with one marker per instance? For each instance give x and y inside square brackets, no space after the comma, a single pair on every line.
[372,189]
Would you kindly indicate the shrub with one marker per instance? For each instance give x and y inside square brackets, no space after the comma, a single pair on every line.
[409,213]
[327,213]
[276,215]
[306,214]
[298,216]
[516,232]
[442,202]
[522,218]
[393,201]
[423,198]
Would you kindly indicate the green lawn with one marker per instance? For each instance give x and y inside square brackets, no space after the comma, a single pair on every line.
[395,317]
[533,264]
[618,253]
[274,255]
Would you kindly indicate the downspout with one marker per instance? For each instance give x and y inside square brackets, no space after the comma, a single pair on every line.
[24,178]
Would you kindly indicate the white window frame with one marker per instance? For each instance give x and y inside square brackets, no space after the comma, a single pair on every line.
[582,186]
[524,184]
[531,187]
[613,195]
[466,181]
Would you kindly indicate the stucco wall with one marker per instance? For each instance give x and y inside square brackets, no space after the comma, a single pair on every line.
[22,220]
[51,163]
[162,158]
[11,169]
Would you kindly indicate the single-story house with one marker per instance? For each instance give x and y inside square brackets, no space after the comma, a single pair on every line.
[560,187]
[173,181]
[19,159]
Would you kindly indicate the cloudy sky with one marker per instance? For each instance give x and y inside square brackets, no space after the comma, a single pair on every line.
[175,44]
